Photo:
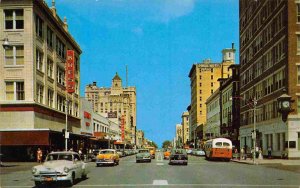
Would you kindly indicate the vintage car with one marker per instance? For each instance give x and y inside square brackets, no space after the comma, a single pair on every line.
[178,156]
[143,155]
[60,166]
[107,157]
[167,154]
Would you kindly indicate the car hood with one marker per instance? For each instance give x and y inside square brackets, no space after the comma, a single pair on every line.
[105,156]
[143,154]
[54,165]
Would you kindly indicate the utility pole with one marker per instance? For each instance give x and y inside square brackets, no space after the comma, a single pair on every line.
[66,132]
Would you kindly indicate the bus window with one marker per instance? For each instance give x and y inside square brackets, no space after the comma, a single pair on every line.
[219,144]
[226,144]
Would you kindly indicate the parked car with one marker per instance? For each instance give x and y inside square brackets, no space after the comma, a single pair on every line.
[199,152]
[189,151]
[121,153]
[60,166]
[167,154]
[143,155]
[95,154]
[107,156]
[178,156]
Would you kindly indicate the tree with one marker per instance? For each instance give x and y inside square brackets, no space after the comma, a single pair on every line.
[153,144]
[166,144]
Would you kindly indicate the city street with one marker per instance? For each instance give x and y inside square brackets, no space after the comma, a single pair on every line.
[198,173]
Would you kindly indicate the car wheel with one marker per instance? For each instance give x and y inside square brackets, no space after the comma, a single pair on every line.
[37,183]
[185,164]
[97,165]
[118,162]
[137,161]
[71,182]
[84,176]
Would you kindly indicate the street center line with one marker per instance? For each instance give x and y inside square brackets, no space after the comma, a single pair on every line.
[160,182]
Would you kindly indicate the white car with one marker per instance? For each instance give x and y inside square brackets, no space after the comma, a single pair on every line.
[60,166]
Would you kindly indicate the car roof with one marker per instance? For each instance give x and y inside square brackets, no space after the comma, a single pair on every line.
[63,152]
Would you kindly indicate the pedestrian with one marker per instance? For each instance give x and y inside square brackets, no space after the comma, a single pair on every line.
[236,153]
[260,156]
[269,152]
[242,153]
[39,155]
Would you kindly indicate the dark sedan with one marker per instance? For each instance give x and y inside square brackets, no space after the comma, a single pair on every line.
[178,156]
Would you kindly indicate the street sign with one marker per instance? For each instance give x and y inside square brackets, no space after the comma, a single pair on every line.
[70,71]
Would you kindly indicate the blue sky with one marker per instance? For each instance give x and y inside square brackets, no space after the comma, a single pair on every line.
[159,41]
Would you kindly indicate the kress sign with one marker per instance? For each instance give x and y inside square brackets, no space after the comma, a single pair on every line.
[70,71]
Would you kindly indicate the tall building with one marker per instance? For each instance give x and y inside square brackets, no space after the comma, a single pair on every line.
[185,127]
[212,127]
[179,136]
[204,81]
[32,75]
[140,137]
[270,62]
[117,103]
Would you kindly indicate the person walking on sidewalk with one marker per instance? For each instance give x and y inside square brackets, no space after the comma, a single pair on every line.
[269,152]
[242,153]
[260,156]
[39,155]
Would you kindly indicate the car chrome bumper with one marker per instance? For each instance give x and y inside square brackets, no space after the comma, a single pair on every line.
[178,161]
[51,178]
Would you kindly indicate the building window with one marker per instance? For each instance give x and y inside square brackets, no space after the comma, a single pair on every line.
[76,110]
[39,93]
[50,68]
[200,84]
[211,91]
[60,76]
[298,105]
[200,91]
[211,70]
[14,19]
[60,103]
[200,98]
[212,84]
[60,48]
[298,44]
[298,12]
[14,91]
[14,55]
[50,98]
[38,26]
[39,60]
[49,37]
[298,74]
[200,77]
[212,77]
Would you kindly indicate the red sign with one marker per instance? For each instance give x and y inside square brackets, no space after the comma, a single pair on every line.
[70,71]
[87,124]
[87,115]
[123,128]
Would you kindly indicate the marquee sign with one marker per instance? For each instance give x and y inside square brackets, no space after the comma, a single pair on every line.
[70,71]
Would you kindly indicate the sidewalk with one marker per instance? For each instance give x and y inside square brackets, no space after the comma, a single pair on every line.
[293,162]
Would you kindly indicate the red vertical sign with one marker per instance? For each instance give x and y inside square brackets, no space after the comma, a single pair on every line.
[70,72]
[123,128]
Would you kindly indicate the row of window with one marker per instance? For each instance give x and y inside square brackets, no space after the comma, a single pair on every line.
[14,90]
[262,113]
[265,87]
[211,77]
[100,128]
[268,60]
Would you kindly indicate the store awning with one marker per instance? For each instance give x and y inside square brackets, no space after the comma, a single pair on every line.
[22,138]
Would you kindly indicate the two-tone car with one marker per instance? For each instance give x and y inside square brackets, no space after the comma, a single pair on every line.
[107,157]
[60,167]
[178,156]
[143,155]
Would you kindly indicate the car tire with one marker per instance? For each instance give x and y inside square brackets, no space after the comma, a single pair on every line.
[37,183]
[185,164]
[137,161]
[72,181]
[97,165]
[118,162]
[84,176]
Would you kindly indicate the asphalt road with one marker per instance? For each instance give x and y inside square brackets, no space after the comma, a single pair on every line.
[198,173]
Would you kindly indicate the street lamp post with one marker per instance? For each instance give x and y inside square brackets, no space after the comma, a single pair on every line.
[66,131]
[254,129]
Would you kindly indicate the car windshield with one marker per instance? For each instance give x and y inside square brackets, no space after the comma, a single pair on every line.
[55,157]
[106,152]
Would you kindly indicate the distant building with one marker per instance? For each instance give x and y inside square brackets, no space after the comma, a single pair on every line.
[118,104]
[204,81]
[270,62]
[179,136]
[140,138]
[212,127]
[32,73]
[185,127]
